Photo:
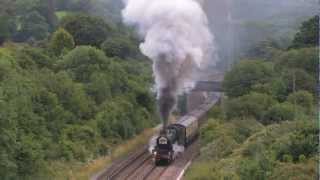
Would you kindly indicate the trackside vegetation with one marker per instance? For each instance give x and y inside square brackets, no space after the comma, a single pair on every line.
[266,126]
[71,90]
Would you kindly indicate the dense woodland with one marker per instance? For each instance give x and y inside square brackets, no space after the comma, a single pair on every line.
[267,125]
[72,85]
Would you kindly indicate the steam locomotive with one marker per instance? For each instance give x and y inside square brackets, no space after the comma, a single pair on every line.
[181,133]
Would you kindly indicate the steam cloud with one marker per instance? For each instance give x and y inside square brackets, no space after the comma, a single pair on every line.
[178,41]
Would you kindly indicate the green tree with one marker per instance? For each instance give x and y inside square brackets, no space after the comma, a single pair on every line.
[254,169]
[120,47]
[244,75]
[250,105]
[303,99]
[304,58]
[83,61]
[280,112]
[265,49]
[33,25]
[61,42]
[308,35]
[86,30]
[33,58]
[7,28]
[298,79]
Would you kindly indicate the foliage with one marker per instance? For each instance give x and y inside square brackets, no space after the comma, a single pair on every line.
[33,58]
[86,30]
[264,153]
[119,47]
[61,42]
[240,80]
[33,26]
[265,49]
[308,34]
[7,28]
[280,112]
[252,169]
[298,79]
[301,142]
[301,171]
[303,99]
[251,105]
[67,109]
[83,61]
[305,59]
[285,145]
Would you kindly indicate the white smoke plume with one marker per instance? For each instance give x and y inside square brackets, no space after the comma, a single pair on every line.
[176,38]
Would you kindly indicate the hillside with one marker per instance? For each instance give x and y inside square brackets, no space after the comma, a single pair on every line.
[266,126]
[73,86]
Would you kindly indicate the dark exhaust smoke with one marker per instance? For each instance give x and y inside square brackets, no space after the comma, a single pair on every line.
[177,39]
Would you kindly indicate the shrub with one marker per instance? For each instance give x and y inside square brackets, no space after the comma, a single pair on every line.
[279,112]
[243,76]
[299,79]
[119,47]
[33,58]
[86,30]
[7,27]
[303,142]
[83,61]
[253,169]
[251,105]
[277,88]
[305,59]
[61,42]
[308,34]
[302,98]
[33,26]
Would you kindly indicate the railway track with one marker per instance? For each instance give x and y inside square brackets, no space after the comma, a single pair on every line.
[139,166]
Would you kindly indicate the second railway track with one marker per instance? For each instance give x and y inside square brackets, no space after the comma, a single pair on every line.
[137,166]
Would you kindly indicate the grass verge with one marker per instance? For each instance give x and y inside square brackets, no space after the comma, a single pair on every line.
[81,171]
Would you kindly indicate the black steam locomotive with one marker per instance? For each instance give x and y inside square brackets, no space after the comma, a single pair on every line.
[181,133]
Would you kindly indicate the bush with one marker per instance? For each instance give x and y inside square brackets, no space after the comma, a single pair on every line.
[299,79]
[308,34]
[33,26]
[299,145]
[119,47]
[305,171]
[122,119]
[251,105]
[86,30]
[277,88]
[306,59]
[243,76]
[303,99]
[6,28]
[280,112]
[254,169]
[83,61]
[61,42]
[33,58]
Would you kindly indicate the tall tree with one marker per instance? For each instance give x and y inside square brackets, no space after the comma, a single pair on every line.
[308,34]
[51,13]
